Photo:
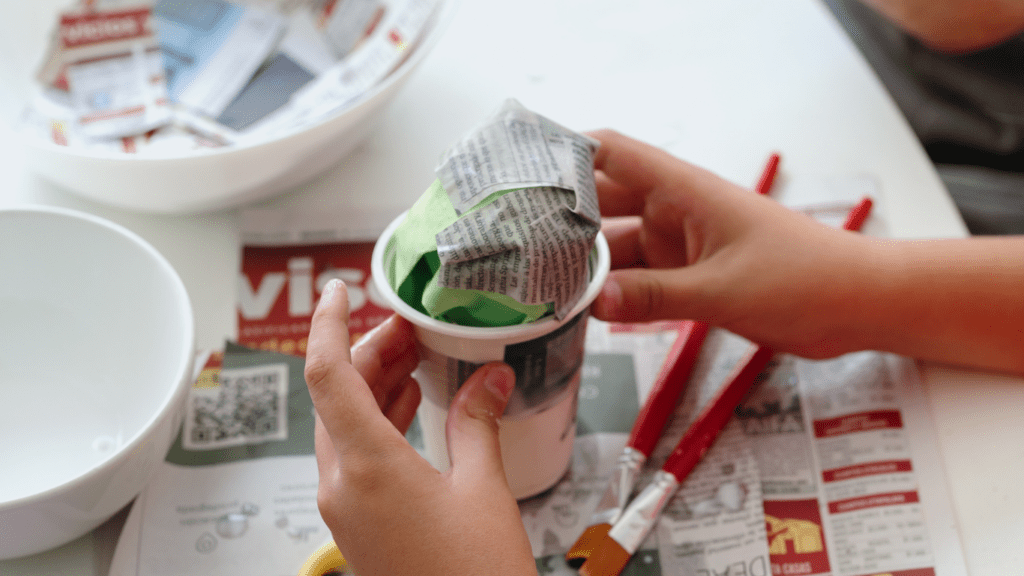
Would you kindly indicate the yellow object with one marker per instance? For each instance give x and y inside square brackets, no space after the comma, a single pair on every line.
[326,560]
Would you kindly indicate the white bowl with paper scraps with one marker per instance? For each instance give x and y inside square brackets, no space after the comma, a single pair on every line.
[96,351]
[205,178]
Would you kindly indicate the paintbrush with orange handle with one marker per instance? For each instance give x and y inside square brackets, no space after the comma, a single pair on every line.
[635,523]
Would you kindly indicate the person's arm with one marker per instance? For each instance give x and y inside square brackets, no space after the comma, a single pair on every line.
[388,509]
[955,25]
[955,301]
[687,244]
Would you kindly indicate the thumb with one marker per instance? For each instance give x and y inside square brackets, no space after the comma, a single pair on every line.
[472,426]
[643,294]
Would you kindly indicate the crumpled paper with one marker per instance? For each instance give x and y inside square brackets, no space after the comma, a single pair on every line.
[504,235]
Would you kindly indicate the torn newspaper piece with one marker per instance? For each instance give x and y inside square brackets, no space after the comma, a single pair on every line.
[513,214]
[109,63]
[212,48]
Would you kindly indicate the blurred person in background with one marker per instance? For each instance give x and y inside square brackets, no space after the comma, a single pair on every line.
[954,67]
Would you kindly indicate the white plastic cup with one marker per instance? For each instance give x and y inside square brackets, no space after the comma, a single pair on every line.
[538,428]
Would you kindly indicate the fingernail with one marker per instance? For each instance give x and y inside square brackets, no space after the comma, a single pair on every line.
[500,380]
[329,291]
[611,297]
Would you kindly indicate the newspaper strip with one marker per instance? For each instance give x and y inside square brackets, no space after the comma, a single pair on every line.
[120,95]
[108,62]
[531,243]
[301,56]
[392,41]
[212,48]
[348,22]
[88,34]
[277,88]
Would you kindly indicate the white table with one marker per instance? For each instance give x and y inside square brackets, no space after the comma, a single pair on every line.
[720,83]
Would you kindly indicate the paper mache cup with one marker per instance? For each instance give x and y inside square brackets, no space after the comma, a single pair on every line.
[538,428]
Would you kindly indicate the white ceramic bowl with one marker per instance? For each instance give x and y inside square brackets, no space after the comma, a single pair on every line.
[213,179]
[96,348]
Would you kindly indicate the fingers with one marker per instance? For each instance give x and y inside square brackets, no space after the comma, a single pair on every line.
[628,170]
[643,295]
[343,400]
[472,426]
[385,357]
[402,409]
[623,236]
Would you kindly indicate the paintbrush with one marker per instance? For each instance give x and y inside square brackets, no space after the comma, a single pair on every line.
[650,422]
[635,523]
[637,520]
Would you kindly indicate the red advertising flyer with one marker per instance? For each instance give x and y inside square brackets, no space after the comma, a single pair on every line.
[280,285]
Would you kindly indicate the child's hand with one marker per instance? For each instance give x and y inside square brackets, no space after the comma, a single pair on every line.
[694,246]
[389,510]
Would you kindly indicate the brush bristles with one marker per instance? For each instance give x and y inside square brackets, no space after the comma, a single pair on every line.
[586,544]
[607,560]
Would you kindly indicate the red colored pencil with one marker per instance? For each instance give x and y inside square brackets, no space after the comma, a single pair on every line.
[651,420]
[855,219]
[771,168]
[637,520]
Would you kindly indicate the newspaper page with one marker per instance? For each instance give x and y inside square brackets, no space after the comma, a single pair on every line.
[714,523]
[237,491]
[754,504]
[828,467]
[835,488]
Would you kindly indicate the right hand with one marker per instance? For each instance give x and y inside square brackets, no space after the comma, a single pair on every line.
[694,246]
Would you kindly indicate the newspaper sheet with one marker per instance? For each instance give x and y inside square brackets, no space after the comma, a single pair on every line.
[828,467]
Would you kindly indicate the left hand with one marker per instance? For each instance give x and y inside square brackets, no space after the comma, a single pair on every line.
[389,510]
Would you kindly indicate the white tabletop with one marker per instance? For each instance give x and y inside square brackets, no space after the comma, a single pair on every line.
[719,83]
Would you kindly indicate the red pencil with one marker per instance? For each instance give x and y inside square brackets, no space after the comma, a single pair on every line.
[771,168]
[651,420]
[636,522]
[855,219]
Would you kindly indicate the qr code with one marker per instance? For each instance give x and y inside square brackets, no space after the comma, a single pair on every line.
[241,406]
